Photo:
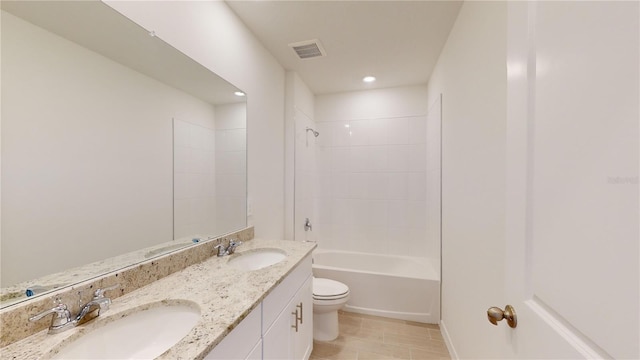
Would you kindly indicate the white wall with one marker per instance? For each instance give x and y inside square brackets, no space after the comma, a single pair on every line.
[65,120]
[372,171]
[210,33]
[471,75]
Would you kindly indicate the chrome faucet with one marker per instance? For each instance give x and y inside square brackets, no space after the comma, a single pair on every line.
[62,317]
[229,249]
[307,225]
[99,302]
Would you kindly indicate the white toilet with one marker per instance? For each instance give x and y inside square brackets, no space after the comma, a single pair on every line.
[329,296]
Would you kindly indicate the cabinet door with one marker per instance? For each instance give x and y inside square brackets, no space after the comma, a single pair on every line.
[281,311]
[241,342]
[256,353]
[276,341]
[303,338]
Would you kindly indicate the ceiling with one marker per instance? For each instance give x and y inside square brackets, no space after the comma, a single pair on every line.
[397,41]
[99,28]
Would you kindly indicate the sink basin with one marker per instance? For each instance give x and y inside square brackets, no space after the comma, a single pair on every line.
[257,259]
[144,334]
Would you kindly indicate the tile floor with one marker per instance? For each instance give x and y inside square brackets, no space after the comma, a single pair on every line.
[371,337]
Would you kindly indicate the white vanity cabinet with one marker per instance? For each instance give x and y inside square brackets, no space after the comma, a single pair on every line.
[281,327]
[290,336]
[288,330]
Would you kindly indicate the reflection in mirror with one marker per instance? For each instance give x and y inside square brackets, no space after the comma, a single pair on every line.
[115,147]
[210,172]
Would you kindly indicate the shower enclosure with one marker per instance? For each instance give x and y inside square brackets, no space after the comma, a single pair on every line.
[367,178]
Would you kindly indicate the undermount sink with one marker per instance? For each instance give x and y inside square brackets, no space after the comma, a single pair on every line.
[144,334]
[256,259]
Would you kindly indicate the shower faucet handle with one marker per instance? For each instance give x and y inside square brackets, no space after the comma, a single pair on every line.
[307,225]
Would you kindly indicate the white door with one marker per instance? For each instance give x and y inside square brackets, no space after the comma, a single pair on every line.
[572,175]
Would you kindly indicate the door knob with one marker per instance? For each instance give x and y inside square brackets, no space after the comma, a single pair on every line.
[496,314]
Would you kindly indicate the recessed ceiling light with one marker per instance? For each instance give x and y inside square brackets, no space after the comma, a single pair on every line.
[369,79]
[239,93]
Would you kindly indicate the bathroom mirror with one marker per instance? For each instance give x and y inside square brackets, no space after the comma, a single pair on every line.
[116,147]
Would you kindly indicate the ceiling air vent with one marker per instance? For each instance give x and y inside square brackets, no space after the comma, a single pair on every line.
[308,49]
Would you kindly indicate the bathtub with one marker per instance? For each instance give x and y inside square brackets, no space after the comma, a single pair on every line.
[399,287]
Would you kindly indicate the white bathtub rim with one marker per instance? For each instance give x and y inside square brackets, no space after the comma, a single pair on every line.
[431,271]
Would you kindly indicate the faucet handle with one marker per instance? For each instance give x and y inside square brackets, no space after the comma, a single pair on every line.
[61,317]
[100,292]
[232,246]
[222,250]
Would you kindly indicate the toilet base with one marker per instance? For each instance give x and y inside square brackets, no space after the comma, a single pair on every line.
[325,326]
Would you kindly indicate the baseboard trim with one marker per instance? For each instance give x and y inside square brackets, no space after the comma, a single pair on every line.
[447,341]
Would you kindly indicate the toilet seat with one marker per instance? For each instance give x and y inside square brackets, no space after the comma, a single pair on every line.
[326,289]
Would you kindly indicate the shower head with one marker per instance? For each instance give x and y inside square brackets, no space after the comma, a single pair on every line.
[315,133]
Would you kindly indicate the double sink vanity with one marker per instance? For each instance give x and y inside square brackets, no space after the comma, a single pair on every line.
[253,304]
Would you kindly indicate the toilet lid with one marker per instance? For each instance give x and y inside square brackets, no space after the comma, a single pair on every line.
[326,288]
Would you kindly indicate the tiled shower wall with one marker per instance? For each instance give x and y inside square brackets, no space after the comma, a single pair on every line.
[231,166]
[434,180]
[306,178]
[371,179]
[194,178]
[210,173]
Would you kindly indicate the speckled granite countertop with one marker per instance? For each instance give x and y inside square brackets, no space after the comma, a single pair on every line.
[16,292]
[223,294]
